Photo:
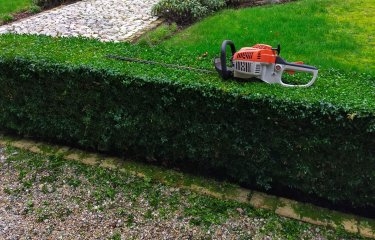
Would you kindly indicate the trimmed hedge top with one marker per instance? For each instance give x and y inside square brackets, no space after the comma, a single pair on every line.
[352,92]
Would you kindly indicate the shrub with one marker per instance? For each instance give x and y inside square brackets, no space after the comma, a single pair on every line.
[46,4]
[261,135]
[238,2]
[263,142]
[34,9]
[185,12]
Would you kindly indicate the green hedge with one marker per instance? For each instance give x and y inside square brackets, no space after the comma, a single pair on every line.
[183,118]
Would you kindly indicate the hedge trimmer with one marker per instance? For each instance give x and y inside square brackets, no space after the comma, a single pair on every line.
[260,61]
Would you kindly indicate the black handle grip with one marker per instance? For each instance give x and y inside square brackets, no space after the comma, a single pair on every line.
[223,58]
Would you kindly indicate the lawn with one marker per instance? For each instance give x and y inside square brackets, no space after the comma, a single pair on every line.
[8,8]
[334,36]
[12,6]
[324,33]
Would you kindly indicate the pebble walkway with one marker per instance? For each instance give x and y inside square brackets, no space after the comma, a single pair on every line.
[105,20]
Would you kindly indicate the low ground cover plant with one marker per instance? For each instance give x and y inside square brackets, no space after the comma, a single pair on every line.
[318,140]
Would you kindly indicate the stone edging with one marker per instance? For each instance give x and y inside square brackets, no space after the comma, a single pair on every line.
[281,206]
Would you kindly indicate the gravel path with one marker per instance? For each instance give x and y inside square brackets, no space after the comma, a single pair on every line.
[106,20]
[60,209]
[47,198]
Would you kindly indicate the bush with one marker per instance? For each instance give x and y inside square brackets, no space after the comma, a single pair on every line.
[34,9]
[255,134]
[238,2]
[47,4]
[185,12]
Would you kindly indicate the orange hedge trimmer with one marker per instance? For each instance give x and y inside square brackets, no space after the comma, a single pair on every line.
[260,61]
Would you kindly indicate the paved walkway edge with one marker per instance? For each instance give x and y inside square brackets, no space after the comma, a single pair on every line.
[281,206]
[104,20]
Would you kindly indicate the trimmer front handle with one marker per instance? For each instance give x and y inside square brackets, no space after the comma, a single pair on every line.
[221,63]
[282,65]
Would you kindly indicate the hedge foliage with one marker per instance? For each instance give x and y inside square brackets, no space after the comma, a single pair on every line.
[47,4]
[254,133]
[188,11]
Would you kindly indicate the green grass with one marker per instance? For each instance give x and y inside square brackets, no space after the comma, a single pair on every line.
[162,32]
[13,6]
[10,7]
[324,33]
